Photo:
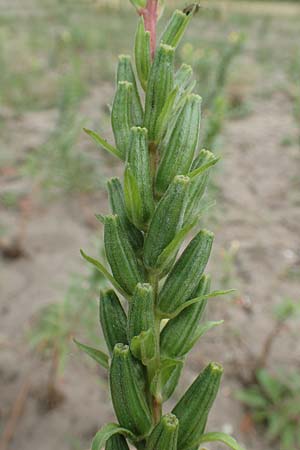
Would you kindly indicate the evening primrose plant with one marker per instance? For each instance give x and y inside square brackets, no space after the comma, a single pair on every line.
[151,318]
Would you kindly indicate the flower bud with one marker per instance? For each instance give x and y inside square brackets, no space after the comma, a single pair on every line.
[125,73]
[166,221]
[164,435]
[179,146]
[120,255]
[186,274]
[113,319]
[128,395]
[193,408]
[121,116]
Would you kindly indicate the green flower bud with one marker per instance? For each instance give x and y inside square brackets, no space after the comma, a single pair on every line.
[142,53]
[141,310]
[166,221]
[160,84]
[178,333]
[138,161]
[121,116]
[125,73]
[185,275]
[164,436]
[193,408]
[175,28]
[128,395]
[120,255]
[179,146]
[117,204]
[116,442]
[113,319]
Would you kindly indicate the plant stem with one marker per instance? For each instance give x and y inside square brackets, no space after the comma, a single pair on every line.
[150,19]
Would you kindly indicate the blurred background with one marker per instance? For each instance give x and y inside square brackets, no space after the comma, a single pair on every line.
[57,75]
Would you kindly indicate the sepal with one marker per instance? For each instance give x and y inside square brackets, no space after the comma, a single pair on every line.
[141,310]
[142,53]
[160,84]
[117,204]
[125,73]
[138,161]
[193,408]
[128,396]
[121,116]
[178,147]
[120,255]
[106,432]
[186,273]
[164,436]
[116,442]
[143,346]
[103,143]
[113,319]
[166,221]
[175,28]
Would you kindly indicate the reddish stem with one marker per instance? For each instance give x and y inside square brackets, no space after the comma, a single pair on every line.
[150,19]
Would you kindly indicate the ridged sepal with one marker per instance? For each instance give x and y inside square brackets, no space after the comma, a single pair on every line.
[142,53]
[139,164]
[193,408]
[113,319]
[185,275]
[121,116]
[127,391]
[116,442]
[177,335]
[178,147]
[117,204]
[141,310]
[166,221]
[125,73]
[120,255]
[160,84]
[164,436]
[175,28]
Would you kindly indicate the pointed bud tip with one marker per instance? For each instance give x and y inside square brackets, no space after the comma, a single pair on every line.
[121,349]
[167,48]
[170,421]
[144,287]
[181,179]
[216,368]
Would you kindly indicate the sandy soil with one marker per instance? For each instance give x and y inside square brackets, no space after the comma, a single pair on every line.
[258,207]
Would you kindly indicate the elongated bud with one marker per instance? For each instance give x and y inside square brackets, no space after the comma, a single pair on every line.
[128,396]
[186,274]
[175,28]
[142,53]
[138,160]
[178,333]
[160,84]
[113,319]
[193,408]
[125,73]
[179,146]
[121,116]
[183,76]
[164,436]
[141,310]
[197,186]
[143,346]
[117,204]
[167,220]
[116,442]
[120,255]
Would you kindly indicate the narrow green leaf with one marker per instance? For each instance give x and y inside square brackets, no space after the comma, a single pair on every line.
[199,299]
[201,330]
[107,432]
[99,356]
[219,437]
[103,143]
[105,272]
[203,168]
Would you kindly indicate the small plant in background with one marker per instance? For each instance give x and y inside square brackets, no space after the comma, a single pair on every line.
[53,329]
[153,211]
[56,165]
[273,399]
[212,70]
